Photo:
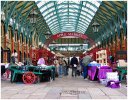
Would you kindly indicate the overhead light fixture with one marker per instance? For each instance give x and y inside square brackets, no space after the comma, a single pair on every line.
[47,35]
[95,26]
[33,16]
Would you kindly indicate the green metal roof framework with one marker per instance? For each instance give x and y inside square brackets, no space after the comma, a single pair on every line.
[61,16]
[68,16]
[18,11]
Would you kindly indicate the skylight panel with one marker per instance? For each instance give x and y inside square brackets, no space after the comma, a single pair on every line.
[63,14]
[59,2]
[93,8]
[92,13]
[40,4]
[76,1]
[72,10]
[51,24]
[79,31]
[62,10]
[54,28]
[89,17]
[45,13]
[53,18]
[50,4]
[96,3]
[83,13]
[87,5]
[72,13]
[85,9]
[75,6]
[84,3]
[43,9]
[52,9]
[83,24]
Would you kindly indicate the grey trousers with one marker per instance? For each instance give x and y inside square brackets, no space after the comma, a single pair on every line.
[74,71]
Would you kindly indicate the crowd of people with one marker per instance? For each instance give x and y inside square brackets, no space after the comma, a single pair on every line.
[79,67]
[62,65]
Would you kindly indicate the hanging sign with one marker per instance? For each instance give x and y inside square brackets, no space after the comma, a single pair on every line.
[75,34]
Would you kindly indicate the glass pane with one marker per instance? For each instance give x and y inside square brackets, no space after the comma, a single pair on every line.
[50,4]
[89,16]
[43,9]
[40,4]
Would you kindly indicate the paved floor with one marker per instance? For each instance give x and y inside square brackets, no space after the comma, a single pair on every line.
[62,88]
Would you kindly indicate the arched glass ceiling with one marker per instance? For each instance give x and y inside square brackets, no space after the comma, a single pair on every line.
[68,16]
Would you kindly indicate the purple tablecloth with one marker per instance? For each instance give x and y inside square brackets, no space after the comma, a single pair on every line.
[102,73]
[92,72]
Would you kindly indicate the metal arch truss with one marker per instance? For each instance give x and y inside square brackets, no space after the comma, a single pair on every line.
[75,14]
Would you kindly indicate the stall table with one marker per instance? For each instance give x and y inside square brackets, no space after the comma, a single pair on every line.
[31,72]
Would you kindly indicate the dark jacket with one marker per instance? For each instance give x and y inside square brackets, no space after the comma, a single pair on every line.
[74,60]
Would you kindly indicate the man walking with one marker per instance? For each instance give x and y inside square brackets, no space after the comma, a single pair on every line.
[85,61]
[74,64]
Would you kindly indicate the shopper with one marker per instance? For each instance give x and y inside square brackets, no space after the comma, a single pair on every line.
[60,67]
[16,58]
[13,58]
[56,63]
[85,61]
[74,64]
[65,66]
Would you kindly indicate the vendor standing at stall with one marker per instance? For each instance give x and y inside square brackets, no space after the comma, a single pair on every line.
[85,61]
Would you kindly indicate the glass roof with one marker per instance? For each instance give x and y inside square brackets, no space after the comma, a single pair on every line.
[68,16]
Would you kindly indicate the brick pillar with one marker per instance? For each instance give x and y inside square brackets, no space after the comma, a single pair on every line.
[12,45]
[26,50]
[23,51]
[5,44]
[18,51]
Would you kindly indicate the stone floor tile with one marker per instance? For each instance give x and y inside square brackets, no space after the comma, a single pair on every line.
[36,96]
[123,90]
[82,89]
[84,96]
[26,91]
[95,91]
[68,97]
[117,97]
[52,96]
[6,96]
[68,94]
[100,97]
[111,91]
[10,92]
[20,96]
[39,93]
